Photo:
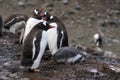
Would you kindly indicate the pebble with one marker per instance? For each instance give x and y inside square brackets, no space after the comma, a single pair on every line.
[25,79]
[115,68]
[21,4]
[64,16]
[13,75]
[65,2]
[93,70]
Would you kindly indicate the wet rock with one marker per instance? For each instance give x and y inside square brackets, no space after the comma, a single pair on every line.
[65,2]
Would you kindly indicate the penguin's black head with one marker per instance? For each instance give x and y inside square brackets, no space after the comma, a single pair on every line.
[36,14]
[46,16]
[13,19]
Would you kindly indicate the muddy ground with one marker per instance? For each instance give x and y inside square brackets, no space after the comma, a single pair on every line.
[82,18]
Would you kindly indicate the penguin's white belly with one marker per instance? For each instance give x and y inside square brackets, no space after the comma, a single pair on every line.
[52,40]
[17,27]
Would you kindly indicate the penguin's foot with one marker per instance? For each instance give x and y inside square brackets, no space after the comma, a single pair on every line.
[37,70]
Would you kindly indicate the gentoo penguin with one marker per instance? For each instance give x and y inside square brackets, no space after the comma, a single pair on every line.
[61,30]
[67,55]
[34,45]
[53,19]
[1,26]
[31,22]
[57,36]
[15,23]
[97,40]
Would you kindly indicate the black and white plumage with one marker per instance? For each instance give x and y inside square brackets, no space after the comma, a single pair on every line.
[15,20]
[67,55]
[1,26]
[15,23]
[37,39]
[97,40]
[59,32]
[34,44]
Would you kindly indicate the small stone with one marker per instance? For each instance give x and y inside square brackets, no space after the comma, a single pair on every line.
[78,7]
[25,79]
[71,12]
[13,75]
[21,4]
[63,16]
[65,2]
[101,22]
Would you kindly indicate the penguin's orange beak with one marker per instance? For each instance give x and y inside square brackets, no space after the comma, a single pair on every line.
[52,26]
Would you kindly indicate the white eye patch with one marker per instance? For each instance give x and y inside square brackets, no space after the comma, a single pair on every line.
[44,23]
[51,17]
[36,12]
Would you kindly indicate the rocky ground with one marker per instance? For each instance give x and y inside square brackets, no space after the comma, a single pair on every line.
[82,18]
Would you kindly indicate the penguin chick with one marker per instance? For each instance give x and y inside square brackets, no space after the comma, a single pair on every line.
[67,55]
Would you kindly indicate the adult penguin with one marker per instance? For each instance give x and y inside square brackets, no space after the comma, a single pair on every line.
[15,23]
[34,46]
[57,36]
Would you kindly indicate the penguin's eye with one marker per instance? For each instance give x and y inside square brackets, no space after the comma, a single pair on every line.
[36,12]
